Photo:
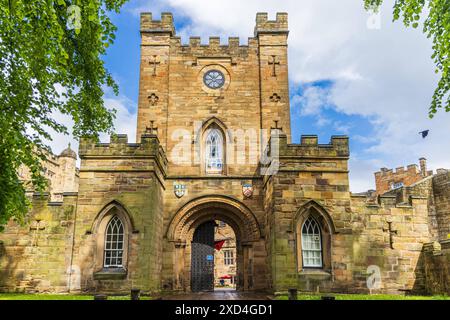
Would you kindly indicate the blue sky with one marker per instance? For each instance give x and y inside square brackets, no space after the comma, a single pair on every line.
[350,73]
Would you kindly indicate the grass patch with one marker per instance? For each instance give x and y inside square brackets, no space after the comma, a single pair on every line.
[302,296]
[24,296]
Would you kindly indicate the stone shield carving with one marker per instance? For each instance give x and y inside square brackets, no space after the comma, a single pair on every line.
[247,190]
[179,189]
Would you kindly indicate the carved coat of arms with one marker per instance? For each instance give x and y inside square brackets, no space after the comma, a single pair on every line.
[247,190]
[179,189]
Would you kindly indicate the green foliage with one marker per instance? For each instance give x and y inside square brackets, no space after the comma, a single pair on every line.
[25,296]
[50,62]
[313,296]
[437,27]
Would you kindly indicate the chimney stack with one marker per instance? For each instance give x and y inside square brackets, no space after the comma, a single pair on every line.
[423,166]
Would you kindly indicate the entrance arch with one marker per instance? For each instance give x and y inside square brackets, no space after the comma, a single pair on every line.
[240,218]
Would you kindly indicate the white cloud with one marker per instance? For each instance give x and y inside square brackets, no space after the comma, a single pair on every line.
[126,117]
[385,74]
[312,100]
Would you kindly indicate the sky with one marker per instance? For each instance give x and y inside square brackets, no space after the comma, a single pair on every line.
[350,73]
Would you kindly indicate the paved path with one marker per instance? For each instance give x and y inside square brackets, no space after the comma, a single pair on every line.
[219,295]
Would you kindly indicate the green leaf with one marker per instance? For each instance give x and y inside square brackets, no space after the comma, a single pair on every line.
[44,49]
[436,28]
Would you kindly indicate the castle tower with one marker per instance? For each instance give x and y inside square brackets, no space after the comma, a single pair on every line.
[273,62]
[250,97]
[68,162]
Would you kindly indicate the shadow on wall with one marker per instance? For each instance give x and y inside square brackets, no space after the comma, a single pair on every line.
[395,275]
[420,276]
[435,267]
[8,267]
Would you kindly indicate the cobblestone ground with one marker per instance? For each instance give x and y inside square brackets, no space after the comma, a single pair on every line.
[219,295]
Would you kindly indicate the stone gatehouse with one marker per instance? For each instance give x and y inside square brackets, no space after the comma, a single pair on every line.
[214,143]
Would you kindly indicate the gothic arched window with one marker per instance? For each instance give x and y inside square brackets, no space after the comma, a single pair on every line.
[114,243]
[311,243]
[214,151]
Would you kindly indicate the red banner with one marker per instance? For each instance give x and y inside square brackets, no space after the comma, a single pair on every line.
[219,244]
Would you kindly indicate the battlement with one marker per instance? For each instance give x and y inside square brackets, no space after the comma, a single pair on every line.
[158,32]
[279,25]
[389,179]
[310,147]
[164,25]
[412,168]
[214,47]
[387,200]
[120,147]
[214,41]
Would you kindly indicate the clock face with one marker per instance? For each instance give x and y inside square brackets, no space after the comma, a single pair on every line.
[214,79]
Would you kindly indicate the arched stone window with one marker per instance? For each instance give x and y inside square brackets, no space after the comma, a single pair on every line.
[214,151]
[112,230]
[313,227]
[114,244]
[311,244]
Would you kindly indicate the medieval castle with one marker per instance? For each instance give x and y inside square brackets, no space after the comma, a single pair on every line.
[214,144]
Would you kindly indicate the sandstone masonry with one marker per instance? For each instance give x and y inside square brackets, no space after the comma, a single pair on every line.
[206,153]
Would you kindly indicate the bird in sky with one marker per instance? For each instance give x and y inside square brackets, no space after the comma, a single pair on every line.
[424,133]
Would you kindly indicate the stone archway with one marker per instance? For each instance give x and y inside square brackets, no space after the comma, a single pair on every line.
[249,243]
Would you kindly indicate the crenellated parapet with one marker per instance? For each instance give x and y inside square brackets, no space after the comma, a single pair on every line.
[388,180]
[164,25]
[387,201]
[310,147]
[412,169]
[307,156]
[214,47]
[264,25]
[119,148]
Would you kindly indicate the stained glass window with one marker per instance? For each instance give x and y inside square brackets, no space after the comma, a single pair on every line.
[214,152]
[214,79]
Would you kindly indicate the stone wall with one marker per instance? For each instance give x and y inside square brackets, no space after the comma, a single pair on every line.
[436,261]
[436,189]
[129,178]
[35,256]
[441,190]
[423,188]
[394,249]
[309,176]
[313,180]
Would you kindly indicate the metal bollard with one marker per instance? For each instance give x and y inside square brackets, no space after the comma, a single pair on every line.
[135,294]
[100,297]
[292,294]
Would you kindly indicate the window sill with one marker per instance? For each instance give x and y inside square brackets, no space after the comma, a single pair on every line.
[214,173]
[110,274]
[315,273]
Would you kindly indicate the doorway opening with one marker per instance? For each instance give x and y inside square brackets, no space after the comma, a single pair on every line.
[213,257]
[192,249]
[225,256]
